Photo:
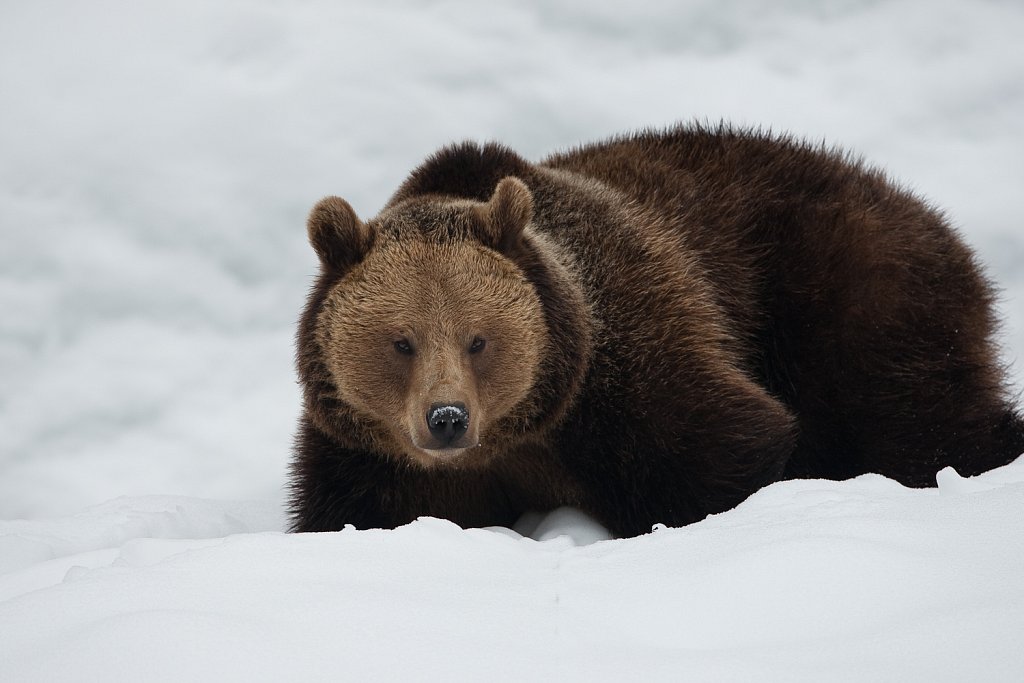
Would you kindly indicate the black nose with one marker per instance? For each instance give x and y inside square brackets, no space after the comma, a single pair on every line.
[447,422]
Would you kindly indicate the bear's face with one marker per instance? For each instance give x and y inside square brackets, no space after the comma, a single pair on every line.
[433,334]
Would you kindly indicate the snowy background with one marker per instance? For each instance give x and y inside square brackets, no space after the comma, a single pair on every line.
[157,161]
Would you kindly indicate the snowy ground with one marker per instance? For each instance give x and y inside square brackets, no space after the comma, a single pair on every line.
[157,161]
[806,581]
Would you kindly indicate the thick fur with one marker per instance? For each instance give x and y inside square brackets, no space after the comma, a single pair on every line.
[707,311]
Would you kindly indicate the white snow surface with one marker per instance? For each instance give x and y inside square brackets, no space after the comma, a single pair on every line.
[157,161]
[805,581]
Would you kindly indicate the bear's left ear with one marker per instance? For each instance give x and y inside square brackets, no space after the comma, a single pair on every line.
[339,238]
[506,214]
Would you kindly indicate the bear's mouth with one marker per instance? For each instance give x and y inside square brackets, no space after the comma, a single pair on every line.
[433,457]
[446,453]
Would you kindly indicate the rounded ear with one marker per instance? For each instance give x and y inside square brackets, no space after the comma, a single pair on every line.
[507,213]
[339,238]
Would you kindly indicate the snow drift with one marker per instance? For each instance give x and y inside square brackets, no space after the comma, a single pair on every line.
[807,580]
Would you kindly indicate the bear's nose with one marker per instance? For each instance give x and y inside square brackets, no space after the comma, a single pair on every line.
[447,422]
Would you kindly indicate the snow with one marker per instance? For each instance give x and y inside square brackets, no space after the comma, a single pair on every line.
[447,412]
[807,580]
[158,163]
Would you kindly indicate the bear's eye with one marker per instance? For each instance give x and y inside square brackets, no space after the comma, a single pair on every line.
[478,345]
[403,347]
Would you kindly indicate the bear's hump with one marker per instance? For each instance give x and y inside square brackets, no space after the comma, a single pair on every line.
[466,170]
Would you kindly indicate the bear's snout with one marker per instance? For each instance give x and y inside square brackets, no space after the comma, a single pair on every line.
[448,423]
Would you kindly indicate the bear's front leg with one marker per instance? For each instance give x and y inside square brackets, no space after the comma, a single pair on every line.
[677,455]
[333,486]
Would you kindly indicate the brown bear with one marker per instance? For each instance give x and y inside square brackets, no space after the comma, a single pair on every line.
[649,329]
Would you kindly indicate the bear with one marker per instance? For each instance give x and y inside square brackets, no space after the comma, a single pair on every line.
[649,328]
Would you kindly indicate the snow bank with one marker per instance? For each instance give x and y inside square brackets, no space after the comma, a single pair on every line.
[807,580]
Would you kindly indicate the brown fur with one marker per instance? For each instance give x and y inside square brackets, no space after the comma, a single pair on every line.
[672,321]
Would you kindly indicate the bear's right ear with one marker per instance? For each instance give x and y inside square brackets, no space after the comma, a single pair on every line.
[339,238]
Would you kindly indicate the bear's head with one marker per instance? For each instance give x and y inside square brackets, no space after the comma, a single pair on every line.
[426,336]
